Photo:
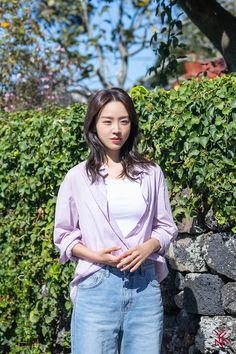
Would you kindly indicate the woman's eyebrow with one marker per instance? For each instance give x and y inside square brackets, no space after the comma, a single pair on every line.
[113,118]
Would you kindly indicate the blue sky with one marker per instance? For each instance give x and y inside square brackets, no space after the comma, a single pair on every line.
[138,64]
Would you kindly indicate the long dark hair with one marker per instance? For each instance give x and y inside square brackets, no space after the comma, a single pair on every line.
[128,153]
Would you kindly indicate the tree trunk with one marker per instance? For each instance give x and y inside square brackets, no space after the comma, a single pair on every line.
[218,25]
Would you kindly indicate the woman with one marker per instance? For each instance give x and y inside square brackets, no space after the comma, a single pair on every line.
[113,217]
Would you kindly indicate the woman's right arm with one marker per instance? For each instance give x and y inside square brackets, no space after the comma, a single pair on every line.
[84,252]
[67,235]
[102,256]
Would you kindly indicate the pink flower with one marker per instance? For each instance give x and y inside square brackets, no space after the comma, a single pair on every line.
[8,95]
[9,108]
[60,49]
[46,78]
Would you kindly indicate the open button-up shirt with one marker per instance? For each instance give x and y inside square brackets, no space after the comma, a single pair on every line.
[82,217]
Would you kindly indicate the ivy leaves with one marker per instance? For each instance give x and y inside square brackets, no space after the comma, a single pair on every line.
[193,138]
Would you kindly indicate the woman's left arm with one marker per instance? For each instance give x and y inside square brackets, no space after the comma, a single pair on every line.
[164,228]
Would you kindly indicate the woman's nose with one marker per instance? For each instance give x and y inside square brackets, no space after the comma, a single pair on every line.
[116,128]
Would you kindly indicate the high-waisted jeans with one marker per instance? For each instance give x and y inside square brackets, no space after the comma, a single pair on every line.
[118,312]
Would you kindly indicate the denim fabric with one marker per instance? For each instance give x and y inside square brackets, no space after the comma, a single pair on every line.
[118,312]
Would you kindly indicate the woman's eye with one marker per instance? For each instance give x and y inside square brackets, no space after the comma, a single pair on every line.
[123,122]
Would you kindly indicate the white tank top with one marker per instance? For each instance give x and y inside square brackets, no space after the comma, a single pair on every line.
[125,202]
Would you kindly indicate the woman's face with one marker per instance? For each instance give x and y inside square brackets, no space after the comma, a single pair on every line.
[113,122]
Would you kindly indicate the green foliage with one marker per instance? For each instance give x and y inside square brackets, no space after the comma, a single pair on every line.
[192,131]
[193,139]
[168,44]
[37,150]
[178,36]
[55,51]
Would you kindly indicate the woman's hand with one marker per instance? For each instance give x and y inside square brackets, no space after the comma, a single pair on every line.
[135,256]
[105,257]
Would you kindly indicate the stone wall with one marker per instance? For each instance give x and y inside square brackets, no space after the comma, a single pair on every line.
[199,294]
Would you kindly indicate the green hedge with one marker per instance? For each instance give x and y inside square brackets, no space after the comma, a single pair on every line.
[192,134]
[192,130]
[36,151]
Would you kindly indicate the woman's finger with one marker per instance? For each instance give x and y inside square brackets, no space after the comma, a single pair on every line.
[131,263]
[124,261]
[136,266]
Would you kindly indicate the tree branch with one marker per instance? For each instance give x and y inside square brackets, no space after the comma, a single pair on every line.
[217,24]
[100,71]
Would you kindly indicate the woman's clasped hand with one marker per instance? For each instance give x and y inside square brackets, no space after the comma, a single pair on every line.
[131,259]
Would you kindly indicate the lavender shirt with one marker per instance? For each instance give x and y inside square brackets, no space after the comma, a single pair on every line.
[82,217]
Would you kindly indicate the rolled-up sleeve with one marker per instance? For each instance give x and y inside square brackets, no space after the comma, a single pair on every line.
[164,228]
[66,227]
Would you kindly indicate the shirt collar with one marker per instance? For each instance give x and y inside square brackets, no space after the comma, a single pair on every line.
[104,169]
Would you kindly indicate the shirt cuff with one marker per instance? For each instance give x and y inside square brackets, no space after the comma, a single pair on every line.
[164,238]
[67,254]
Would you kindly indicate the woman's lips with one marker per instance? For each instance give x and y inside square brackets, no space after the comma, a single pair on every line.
[116,141]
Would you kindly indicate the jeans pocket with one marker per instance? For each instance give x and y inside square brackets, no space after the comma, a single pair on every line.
[92,280]
[151,278]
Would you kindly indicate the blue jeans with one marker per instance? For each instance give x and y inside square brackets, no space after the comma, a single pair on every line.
[118,312]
